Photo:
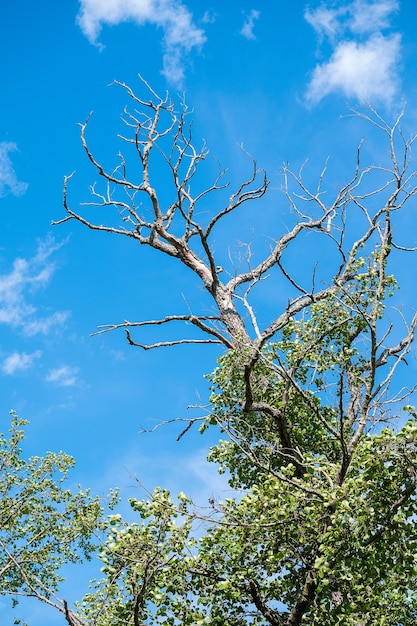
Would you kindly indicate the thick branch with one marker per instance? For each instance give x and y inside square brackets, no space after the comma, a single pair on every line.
[271,616]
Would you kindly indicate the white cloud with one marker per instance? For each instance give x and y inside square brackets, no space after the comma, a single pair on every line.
[19,361]
[64,376]
[249,25]
[207,476]
[325,21]
[368,17]
[42,325]
[190,472]
[9,183]
[364,62]
[209,17]
[359,16]
[181,35]
[25,277]
[366,71]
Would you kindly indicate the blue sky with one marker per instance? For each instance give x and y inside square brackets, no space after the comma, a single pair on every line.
[275,76]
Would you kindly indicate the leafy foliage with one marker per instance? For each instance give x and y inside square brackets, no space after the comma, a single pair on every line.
[321,529]
[43,526]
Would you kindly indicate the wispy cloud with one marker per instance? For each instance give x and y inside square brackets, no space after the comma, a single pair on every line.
[364,63]
[368,17]
[9,182]
[209,17]
[210,481]
[18,286]
[42,325]
[249,24]
[64,376]
[326,22]
[199,479]
[16,362]
[181,35]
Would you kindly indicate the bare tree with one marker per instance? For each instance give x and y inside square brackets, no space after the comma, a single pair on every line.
[157,129]
[357,226]
[175,231]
